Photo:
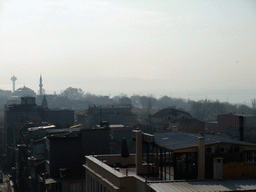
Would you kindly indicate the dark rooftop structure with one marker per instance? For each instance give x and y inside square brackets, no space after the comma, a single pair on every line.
[206,185]
[167,111]
[178,140]
[162,120]
[64,130]
[24,91]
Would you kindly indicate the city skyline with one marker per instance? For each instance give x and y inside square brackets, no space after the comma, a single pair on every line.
[188,49]
[231,96]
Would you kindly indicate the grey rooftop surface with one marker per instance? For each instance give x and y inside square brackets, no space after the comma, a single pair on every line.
[64,130]
[180,140]
[206,185]
[170,111]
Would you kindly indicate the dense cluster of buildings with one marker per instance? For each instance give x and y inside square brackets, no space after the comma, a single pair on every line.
[107,149]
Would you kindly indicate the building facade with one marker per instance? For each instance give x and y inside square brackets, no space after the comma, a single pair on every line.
[162,119]
[164,159]
[29,111]
[112,114]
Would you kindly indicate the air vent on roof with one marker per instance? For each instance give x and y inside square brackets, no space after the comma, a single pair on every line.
[222,149]
[210,149]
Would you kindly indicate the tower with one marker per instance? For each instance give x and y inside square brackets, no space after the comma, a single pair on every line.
[44,103]
[13,78]
[41,85]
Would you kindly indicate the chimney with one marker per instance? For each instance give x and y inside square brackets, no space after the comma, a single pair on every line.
[241,128]
[201,158]
[138,151]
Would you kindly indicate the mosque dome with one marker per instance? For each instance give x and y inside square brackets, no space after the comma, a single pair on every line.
[24,91]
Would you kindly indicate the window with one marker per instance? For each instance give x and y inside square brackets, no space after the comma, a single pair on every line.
[55,187]
[97,186]
[251,156]
[87,182]
[76,187]
[93,185]
[59,187]
[101,188]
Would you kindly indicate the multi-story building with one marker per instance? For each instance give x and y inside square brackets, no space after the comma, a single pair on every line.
[162,119]
[227,120]
[175,162]
[112,114]
[26,111]
[60,117]
[237,125]
[191,125]
[65,156]
[16,115]
[29,111]
[63,152]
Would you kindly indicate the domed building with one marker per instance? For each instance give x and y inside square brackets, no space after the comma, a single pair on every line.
[24,91]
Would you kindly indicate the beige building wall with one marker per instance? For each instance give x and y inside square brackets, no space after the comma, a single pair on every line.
[103,178]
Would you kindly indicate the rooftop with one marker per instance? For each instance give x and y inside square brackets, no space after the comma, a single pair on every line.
[237,114]
[170,111]
[64,130]
[179,140]
[205,185]
[114,164]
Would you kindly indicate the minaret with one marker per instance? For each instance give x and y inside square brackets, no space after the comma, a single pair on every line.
[44,103]
[13,83]
[41,86]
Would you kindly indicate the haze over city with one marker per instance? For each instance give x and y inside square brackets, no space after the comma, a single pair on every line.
[197,49]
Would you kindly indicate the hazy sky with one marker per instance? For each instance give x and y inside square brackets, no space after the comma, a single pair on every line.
[187,48]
